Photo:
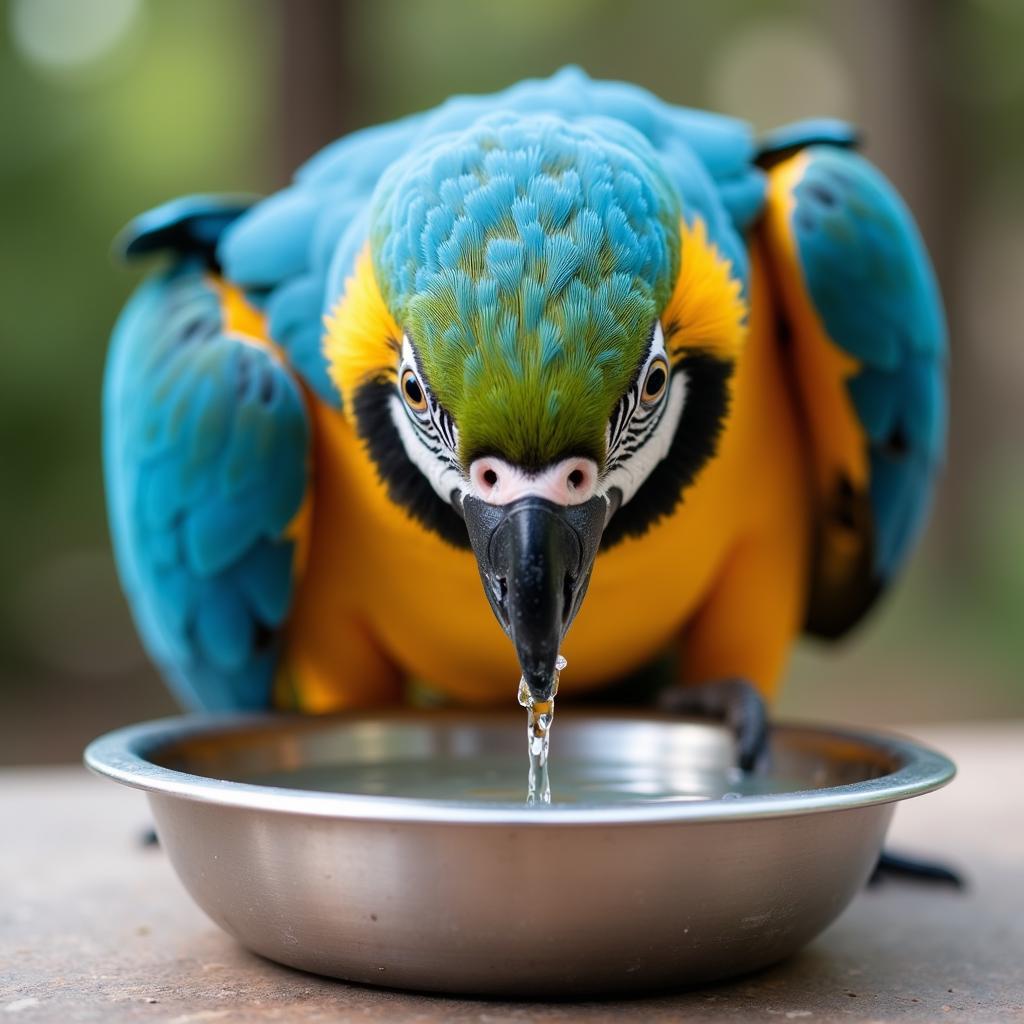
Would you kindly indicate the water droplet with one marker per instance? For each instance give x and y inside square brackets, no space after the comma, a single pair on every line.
[539,716]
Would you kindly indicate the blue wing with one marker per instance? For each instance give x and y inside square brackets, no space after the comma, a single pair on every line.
[870,344]
[296,248]
[205,457]
[189,224]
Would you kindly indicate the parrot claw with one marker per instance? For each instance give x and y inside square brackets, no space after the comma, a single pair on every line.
[734,702]
[895,867]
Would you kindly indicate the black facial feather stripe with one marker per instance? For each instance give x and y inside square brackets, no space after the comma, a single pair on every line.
[446,426]
[620,420]
[429,432]
[695,442]
[406,485]
[613,426]
[440,419]
[426,436]
[634,429]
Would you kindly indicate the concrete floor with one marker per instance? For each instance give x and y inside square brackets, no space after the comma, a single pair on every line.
[95,928]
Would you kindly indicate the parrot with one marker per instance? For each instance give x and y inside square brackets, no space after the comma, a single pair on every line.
[564,369]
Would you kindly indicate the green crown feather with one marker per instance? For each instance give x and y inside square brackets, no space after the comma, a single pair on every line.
[527,259]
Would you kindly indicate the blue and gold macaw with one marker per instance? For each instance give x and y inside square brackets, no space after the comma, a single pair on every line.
[629,367]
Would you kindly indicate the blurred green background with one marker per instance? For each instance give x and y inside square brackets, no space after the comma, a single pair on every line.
[112,106]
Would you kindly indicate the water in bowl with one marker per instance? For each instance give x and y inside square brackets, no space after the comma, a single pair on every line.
[498,779]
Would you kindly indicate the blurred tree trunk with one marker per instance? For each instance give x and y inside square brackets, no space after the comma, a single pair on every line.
[902,55]
[316,80]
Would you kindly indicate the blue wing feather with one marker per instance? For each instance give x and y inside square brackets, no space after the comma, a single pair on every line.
[870,279]
[801,134]
[205,449]
[187,224]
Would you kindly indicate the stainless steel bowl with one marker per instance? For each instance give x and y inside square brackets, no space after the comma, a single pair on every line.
[487,896]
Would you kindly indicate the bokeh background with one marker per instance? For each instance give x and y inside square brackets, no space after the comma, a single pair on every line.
[112,106]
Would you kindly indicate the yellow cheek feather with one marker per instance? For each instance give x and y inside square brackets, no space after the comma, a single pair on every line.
[363,342]
[706,310]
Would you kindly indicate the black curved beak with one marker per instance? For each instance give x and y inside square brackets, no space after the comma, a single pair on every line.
[535,560]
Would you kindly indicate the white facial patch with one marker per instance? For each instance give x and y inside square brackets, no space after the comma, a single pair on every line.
[429,437]
[430,461]
[632,471]
[640,435]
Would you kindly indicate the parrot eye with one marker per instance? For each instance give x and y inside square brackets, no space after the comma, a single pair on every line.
[655,382]
[412,391]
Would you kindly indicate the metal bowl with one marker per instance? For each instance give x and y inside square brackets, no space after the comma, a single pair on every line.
[483,895]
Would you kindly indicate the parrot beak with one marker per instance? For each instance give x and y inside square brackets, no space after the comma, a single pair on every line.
[535,558]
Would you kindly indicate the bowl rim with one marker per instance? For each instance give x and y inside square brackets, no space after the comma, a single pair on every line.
[122,755]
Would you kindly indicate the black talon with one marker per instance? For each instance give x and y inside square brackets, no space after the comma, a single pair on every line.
[734,702]
[738,705]
[896,867]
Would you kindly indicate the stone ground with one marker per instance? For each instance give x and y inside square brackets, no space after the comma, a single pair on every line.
[95,928]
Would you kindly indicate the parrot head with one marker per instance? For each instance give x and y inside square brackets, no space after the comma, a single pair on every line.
[535,346]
